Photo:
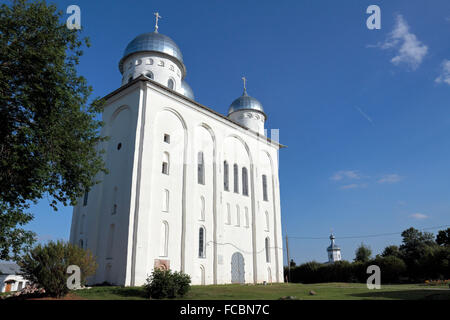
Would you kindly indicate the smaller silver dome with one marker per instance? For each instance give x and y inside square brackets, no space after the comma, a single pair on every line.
[186,90]
[245,102]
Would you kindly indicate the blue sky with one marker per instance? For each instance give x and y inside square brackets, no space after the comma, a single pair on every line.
[364,113]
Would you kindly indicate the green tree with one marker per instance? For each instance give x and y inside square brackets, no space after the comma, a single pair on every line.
[443,237]
[392,250]
[292,263]
[48,131]
[363,253]
[47,265]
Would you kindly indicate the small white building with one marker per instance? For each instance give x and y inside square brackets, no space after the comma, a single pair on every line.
[188,189]
[10,277]
[334,252]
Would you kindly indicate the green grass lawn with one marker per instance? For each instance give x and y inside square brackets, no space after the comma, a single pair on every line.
[325,291]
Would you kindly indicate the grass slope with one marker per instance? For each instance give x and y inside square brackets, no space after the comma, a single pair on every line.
[325,291]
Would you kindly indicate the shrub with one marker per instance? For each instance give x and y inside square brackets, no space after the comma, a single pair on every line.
[391,267]
[165,284]
[46,265]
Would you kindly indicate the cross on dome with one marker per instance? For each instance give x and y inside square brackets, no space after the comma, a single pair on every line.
[156,23]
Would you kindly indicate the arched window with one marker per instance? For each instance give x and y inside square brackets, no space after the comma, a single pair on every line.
[244,181]
[200,168]
[164,239]
[238,216]
[165,203]
[171,84]
[83,217]
[165,163]
[267,221]
[81,244]
[138,62]
[202,208]
[110,244]
[267,242]
[236,178]
[149,74]
[247,220]
[85,199]
[149,61]
[114,208]
[226,185]
[228,214]
[201,242]
[264,185]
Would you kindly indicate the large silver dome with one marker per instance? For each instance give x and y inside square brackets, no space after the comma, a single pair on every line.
[245,102]
[186,90]
[155,42]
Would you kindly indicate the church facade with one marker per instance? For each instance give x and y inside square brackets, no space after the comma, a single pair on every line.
[188,188]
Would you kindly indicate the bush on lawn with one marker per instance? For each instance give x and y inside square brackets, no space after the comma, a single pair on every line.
[165,284]
[46,265]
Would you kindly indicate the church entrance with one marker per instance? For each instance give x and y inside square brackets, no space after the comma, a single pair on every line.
[237,268]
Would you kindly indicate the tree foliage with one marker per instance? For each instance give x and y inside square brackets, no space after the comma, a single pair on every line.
[48,131]
[363,253]
[443,237]
[167,284]
[47,265]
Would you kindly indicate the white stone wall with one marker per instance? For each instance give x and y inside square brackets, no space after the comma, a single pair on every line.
[137,171]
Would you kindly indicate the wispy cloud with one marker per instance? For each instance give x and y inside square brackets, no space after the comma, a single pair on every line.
[444,77]
[409,50]
[390,178]
[418,216]
[345,174]
[364,115]
[353,186]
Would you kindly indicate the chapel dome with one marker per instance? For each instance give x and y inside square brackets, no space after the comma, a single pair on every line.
[186,90]
[246,102]
[152,42]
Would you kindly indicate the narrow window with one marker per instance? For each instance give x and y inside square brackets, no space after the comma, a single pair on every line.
[238,216]
[165,164]
[236,178]
[244,181]
[201,168]
[202,208]
[267,221]
[264,185]
[114,208]
[226,185]
[83,217]
[228,214]
[165,200]
[81,243]
[267,249]
[246,218]
[85,199]
[171,84]
[110,245]
[149,75]
[201,242]
[166,138]
[164,239]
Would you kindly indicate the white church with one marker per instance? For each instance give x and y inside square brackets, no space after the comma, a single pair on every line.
[188,189]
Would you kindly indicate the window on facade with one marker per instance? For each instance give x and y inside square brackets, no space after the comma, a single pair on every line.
[264,185]
[138,62]
[165,163]
[202,208]
[85,199]
[110,243]
[165,204]
[114,209]
[83,218]
[171,84]
[119,146]
[228,214]
[246,218]
[201,242]
[149,61]
[267,221]
[164,239]
[244,181]
[226,186]
[236,178]
[81,243]
[166,138]
[201,168]
[149,75]
[267,243]
[238,216]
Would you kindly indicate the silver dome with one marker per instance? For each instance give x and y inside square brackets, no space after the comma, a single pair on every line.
[155,42]
[186,90]
[245,102]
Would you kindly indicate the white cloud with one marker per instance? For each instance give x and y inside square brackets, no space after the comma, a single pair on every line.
[409,50]
[419,216]
[445,73]
[353,186]
[345,174]
[390,178]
